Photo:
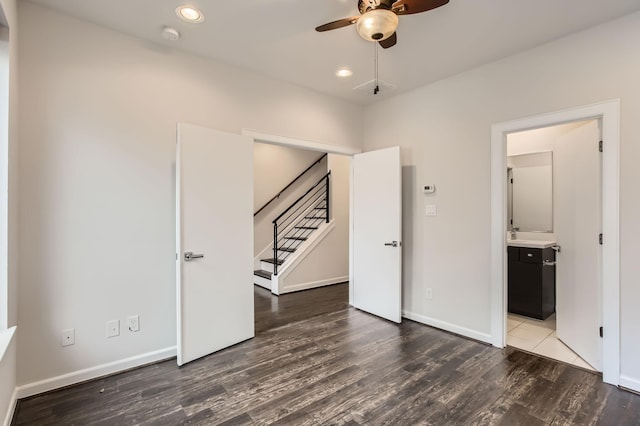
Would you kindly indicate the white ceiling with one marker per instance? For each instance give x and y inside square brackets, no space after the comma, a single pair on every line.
[277,37]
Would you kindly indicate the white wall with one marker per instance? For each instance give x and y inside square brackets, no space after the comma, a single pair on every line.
[98,117]
[274,166]
[444,132]
[328,263]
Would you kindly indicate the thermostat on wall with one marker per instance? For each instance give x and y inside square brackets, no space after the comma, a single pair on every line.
[429,189]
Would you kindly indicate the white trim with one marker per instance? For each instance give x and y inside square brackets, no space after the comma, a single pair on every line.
[90,373]
[11,409]
[6,339]
[299,143]
[630,383]
[262,282]
[6,336]
[179,251]
[351,224]
[609,112]
[462,331]
[314,284]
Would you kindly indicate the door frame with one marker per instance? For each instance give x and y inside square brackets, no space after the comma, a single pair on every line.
[608,113]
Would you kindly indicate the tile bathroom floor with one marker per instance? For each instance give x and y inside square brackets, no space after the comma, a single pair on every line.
[539,337]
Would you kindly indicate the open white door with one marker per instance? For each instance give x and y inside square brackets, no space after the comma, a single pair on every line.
[214,239]
[577,186]
[377,229]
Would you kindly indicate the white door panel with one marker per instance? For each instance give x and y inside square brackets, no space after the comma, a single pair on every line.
[214,200]
[377,220]
[577,186]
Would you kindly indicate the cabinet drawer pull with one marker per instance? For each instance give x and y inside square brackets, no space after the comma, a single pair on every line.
[549,263]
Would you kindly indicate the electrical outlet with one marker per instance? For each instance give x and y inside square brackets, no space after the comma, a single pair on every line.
[68,337]
[429,294]
[113,328]
[133,322]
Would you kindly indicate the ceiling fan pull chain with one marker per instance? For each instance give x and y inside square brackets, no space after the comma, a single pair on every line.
[376,89]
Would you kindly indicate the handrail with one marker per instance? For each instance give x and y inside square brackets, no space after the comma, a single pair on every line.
[303,205]
[301,197]
[289,185]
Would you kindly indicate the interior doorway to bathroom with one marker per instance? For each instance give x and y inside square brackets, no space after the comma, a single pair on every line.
[608,311]
[553,217]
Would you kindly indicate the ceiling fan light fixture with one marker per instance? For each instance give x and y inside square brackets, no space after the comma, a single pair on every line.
[189,14]
[377,24]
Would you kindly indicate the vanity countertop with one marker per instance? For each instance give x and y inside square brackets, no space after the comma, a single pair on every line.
[531,243]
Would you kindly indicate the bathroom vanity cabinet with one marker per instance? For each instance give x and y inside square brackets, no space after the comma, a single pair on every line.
[531,281]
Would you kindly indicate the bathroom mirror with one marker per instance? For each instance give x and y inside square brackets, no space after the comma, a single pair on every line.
[530,192]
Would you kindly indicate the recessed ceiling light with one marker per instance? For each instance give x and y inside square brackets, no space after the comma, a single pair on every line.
[344,72]
[189,14]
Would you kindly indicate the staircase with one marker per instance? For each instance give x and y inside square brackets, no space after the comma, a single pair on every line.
[293,227]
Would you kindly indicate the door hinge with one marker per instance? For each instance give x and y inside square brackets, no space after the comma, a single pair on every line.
[511,180]
[600,239]
[600,146]
[601,331]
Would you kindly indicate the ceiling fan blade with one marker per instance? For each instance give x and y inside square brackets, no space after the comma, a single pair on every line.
[338,24]
[407,7]
[389,42]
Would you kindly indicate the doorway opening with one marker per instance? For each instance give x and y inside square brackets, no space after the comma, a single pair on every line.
[553,256]
[609,272]
[374,201]
[301,218]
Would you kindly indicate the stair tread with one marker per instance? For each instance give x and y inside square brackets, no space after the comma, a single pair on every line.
[262,273]
[296,238]
[314,217]
[272,260]
[306,227]
[286,249]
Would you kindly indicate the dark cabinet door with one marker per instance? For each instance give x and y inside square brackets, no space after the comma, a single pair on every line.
[525,291]
[531,282]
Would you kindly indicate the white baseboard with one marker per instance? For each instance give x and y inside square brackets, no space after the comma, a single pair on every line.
[463,331]
[314,284]
[11,408]
[630,383]
[52,383]
[262,282]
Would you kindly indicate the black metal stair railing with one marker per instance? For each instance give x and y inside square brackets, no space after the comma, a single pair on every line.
[290,184]
[294,225]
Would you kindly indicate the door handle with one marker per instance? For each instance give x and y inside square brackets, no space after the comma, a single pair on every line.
[392,244]
[189,256]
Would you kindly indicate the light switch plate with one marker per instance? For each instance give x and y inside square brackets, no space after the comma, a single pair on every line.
[431,210]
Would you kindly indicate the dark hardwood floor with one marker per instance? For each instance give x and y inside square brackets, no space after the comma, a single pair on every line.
[316,361]
[272,312]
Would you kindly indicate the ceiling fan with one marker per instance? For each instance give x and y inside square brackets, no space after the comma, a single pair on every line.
[379,18]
